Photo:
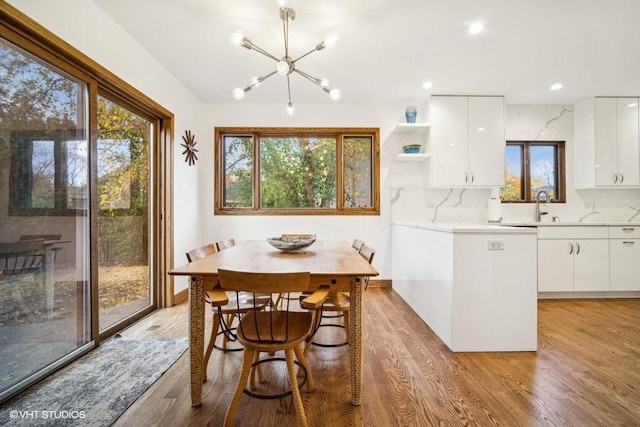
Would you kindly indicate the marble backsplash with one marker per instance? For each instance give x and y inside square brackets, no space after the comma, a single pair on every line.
[419,204]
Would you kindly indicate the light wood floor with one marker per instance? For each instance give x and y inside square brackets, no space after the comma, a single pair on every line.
[586,372]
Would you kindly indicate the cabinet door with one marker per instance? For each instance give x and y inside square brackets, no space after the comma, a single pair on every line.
[606,141]
[555,266]
[628,143]
[591,265]
[625,266]
[487,144]
[449,140]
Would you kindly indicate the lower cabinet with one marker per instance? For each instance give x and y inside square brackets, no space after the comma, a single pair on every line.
[567,265]
[573,259]
[625,264]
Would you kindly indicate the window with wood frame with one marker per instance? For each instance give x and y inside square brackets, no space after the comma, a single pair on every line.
[297,171]
[533,166]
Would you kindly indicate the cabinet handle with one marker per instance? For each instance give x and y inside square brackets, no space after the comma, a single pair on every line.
[626,242]
[571,248]
[578,245]
[466,177]
[621,178]
[615,178]
[472,177]
[627,229]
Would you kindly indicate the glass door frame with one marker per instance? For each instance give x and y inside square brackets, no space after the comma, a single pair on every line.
[22,31]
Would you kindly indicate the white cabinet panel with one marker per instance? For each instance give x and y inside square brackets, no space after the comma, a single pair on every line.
[591,265]
[555,266]
[486,141]
[628,142]
[449,140]
[467,140]
[625,264]
[567,265]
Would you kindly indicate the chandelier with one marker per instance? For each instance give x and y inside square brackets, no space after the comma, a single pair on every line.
[286,65]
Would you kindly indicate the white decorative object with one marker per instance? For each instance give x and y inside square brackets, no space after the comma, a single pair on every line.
[291,244]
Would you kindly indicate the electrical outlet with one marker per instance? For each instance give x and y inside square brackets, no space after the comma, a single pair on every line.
[496,245]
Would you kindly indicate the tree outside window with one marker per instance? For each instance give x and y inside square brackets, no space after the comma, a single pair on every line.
[297,171]
[532,167]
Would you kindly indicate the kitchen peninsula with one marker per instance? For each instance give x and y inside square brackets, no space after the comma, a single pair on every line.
[475,285]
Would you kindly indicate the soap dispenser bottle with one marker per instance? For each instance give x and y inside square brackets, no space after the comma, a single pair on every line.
[494,206]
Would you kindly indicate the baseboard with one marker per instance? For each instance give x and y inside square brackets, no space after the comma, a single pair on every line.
[180,297]
[380,283]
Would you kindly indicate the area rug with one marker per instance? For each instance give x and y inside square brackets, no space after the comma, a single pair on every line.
[97,388]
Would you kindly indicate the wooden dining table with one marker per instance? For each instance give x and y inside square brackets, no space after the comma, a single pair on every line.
[333,263]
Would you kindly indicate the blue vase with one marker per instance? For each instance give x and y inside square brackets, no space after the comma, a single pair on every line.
[410,114]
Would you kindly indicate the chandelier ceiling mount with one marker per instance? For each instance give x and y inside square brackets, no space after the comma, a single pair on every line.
[285,65]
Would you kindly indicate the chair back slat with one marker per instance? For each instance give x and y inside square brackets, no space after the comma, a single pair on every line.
[263,282]
[357,244]
[201,252]
[224,244]
[367,252]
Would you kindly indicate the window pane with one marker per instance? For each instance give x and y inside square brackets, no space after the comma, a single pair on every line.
[124,140]
[544,174]
[238,175]
[45,303]
[513,189]
[297,172]
[358,179]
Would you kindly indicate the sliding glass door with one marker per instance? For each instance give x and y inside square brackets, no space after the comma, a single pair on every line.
[44,217]
[125,140]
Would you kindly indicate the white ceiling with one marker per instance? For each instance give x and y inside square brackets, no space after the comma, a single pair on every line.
[388,48]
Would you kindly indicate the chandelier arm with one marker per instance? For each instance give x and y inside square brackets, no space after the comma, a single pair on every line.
[285,30]
[318,47]
[312,79]
[260,80]
[263,52]
[289,88]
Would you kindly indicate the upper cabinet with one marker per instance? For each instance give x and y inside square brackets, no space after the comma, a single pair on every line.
[467,140]
[607,135]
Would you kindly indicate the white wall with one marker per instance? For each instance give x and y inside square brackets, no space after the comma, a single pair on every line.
[375,230]
[85,26]
[420,203]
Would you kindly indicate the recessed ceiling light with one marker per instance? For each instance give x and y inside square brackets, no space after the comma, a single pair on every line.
[556,86]
[480,129]
[476,28]
[427,85]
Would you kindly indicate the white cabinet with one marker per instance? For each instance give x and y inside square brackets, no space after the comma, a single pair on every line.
[467,140]
[607,132]
[573,259]
[624,249]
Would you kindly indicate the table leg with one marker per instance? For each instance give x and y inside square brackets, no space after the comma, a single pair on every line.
[47,267]
[196,337]
[355,339]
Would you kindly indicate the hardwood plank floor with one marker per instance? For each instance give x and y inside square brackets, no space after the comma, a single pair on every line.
[586,372]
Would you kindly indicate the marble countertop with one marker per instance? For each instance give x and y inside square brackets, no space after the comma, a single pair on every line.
[469,227]
[566,224]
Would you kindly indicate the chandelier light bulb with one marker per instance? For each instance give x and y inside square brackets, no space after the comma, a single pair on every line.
[236,38]
[330,40]
[335,94]
[282,67]
[476,28]
[238,94]
[324,83]
[290,109]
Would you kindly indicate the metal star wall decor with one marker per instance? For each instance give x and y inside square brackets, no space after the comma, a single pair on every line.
[189,147]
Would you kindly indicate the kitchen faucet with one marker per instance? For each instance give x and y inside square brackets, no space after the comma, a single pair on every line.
[546,199]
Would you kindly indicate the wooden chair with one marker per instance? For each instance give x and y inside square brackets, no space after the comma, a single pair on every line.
[357,244]
[223,316]
[21,257]
[272,330]
[224,244]
[339,302]
[40,255]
